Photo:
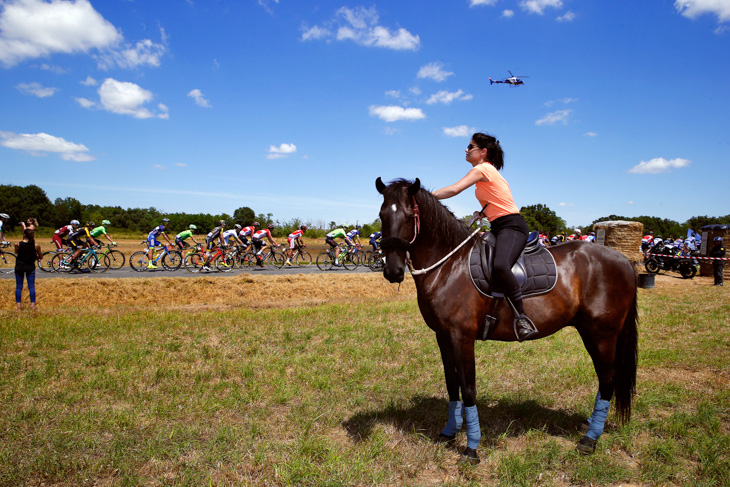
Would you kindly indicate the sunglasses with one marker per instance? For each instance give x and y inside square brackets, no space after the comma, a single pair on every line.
[471,147]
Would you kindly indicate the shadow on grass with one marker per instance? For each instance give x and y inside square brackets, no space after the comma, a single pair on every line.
[427,415]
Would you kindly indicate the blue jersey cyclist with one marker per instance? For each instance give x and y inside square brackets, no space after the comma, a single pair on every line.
[375,238]
[354,235]
[152,241]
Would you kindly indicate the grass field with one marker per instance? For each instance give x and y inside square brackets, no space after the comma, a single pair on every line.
[335,380]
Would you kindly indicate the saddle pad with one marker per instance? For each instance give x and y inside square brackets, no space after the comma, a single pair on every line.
[536,272]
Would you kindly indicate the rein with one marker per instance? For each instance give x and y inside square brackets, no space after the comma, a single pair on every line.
[418,272]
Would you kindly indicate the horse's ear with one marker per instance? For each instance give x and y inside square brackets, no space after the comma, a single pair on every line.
[379,185]
[413,188]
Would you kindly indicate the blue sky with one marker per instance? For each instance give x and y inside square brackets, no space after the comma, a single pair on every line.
[294,108]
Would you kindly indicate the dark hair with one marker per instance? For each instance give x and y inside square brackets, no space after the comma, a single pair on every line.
[495,155]
[29,233]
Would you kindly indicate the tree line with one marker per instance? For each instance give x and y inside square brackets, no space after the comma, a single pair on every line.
[22,202]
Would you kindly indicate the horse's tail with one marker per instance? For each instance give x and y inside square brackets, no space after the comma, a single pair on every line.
[626,360]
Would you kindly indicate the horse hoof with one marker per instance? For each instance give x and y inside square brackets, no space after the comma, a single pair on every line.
[586,445]
[584,427]
[469,456]
[446,439]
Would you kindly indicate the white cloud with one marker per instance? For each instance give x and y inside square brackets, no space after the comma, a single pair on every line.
[361,26]
[89,81]
[32,29]
[40,144]
[539,6]
[568,16]
[199,98]
[565,204]
[181,164]
[126,98]
[590,134]
[160,167]
[659,165]
[144,52]
[508,14]
[396,113]
[629,202]
[695,8]
[433,71]
[85,102]
[565,101]
[474,3]
[36,89]
[393,93]
[555,117]
[447,97]
[283,150]
[459,131]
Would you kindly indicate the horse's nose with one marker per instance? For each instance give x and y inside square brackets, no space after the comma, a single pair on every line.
[393,276]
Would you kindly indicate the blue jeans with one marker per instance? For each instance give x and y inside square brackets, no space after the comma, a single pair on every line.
[21,274]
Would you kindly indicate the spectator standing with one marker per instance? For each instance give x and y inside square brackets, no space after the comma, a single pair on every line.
[30,223]
[27,253]
[717,265]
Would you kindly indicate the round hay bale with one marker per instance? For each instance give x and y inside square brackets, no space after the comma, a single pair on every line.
[624,236]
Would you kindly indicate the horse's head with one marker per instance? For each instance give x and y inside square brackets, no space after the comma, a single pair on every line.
[399,224]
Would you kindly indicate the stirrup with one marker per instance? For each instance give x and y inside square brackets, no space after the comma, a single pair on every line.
[524,328]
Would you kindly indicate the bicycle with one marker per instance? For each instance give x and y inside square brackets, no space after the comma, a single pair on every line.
[301,257]
[89,260]
[171,260]
[326,260]
[273,258]
[375,261]
[116,257]
[7,260]
[46,262]
[223,261]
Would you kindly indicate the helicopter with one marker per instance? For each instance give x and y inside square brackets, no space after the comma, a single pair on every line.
[512,80]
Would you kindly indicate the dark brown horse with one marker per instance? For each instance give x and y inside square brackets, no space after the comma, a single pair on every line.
[595,293]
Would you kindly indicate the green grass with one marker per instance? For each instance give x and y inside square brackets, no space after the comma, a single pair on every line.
[347,395]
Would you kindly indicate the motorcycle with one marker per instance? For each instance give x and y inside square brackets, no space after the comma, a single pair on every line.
[670,260]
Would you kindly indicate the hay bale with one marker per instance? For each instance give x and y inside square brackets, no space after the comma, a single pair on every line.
[624,236]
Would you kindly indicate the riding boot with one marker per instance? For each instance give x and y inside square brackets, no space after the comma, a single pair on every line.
[524,327]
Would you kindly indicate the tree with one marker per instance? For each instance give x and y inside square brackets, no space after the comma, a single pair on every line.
[244,216]
[540,217]
[26,202]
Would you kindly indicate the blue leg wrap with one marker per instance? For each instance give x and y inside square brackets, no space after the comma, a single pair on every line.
[473,431]
[598,419]
[455,418]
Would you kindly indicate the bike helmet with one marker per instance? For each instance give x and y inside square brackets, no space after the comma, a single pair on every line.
[270,226]
[74,222]
[222,223]
[237,226]
[90,224]
[106,222]
[717,239]
[165,220]
[303,228]
[4,215]
[192,227]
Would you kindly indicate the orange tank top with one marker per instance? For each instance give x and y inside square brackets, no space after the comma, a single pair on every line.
[496,192]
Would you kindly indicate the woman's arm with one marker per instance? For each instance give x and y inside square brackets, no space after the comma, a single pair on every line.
[471,178]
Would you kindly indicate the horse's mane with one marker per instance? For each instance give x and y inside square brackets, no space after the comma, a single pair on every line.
[436,219]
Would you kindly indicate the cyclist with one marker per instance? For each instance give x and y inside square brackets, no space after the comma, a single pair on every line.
[4,217]
[59,236]
[330,240]
[99,231]
[152,240]
[232,234]
[248,232]
[216,233]
[294,239]
[184,235]
[375,238]
[259,244]
[79,240]
[354,235]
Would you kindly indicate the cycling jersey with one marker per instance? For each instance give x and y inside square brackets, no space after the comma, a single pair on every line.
[375,235]
[156,231]
[228,234]
[247,231]
[64,230]
[353,233]
[295,234]
[261,234]
[214,233]
[337,233]
[80,233]
[184,235]
[98,232]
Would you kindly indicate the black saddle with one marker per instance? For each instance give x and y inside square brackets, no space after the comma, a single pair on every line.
[535,269]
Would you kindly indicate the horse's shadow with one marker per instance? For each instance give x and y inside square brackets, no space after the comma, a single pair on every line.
[426,416]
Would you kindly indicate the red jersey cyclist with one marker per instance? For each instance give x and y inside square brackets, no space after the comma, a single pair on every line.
[246,232]
[294,239]
[259,244]
[59,236]
[494,194]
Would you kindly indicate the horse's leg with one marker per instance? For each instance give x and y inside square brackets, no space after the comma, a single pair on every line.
[463,348]
[603,355]
[454,423]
